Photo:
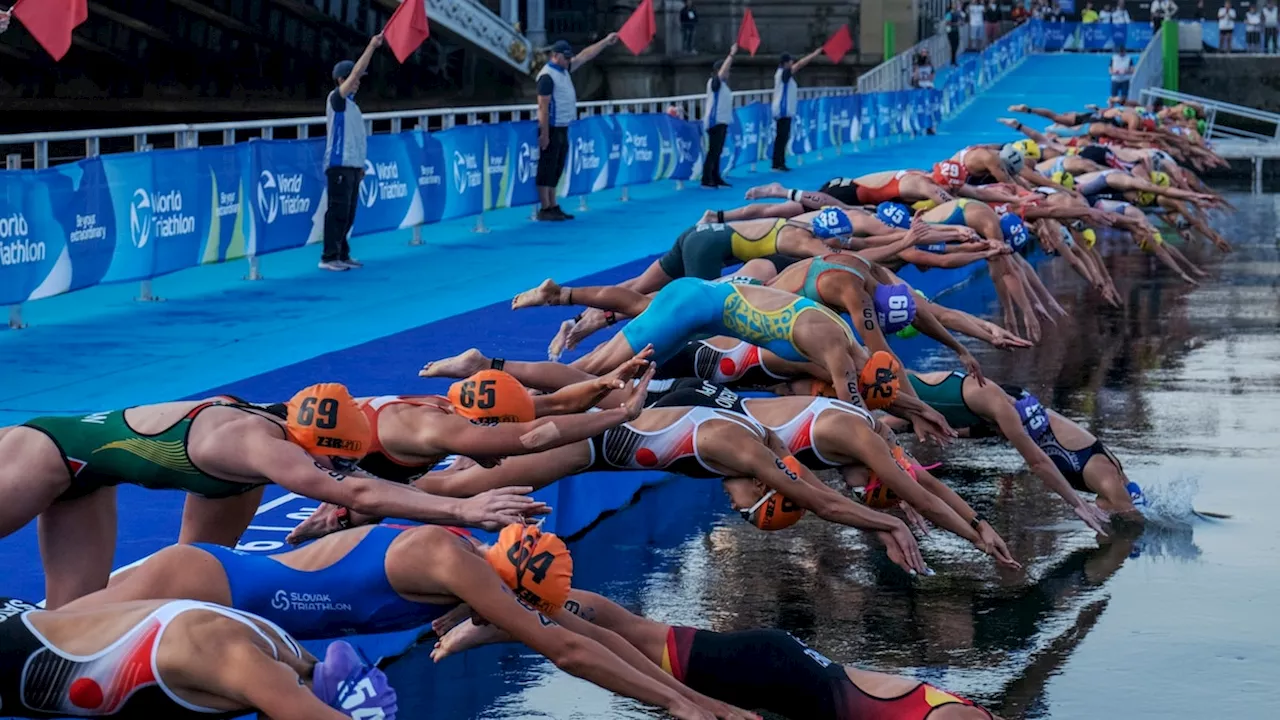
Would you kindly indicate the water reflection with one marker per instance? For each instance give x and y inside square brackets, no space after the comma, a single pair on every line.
[1180,383]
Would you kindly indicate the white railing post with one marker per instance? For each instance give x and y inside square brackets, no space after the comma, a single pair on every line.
[14,162]
[480,226]
[417,236]
[254,269]
[582,204]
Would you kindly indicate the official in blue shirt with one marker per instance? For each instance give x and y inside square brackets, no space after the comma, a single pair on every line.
[785,102]
[345,152]
[717,115]
[557,108]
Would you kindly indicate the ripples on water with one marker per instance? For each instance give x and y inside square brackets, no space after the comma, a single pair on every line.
[1177,620]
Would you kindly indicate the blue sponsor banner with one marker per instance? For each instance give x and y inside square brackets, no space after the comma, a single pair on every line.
[229,213]
[388,197]
[287,195]
[590,146]
[497,166]
[639,150]
[523,188]
[1054,36]
[867,112]
[750,120]
[86,216]
[1095,36]
[28,253]
[688,150]
[426,157]
[464,164]
[164,206]
[1137,36]
[884,115]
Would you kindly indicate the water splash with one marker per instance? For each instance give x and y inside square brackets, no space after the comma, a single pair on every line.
[1170,520]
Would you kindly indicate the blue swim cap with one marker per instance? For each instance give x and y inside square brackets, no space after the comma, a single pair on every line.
[895,307]
[894,215]
[831,223]
[1015,233]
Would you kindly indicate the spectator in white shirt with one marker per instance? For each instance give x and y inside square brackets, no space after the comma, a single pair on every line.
[1253,29]
[1226,26]
[1120,16]
[1271,27]
[976,10]
[1162,10]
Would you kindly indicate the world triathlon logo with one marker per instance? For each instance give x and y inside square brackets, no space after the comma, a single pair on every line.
[268,197]
[466,171]
[527,162]
[628,148]
[140,218]
[281,196]
[369,185]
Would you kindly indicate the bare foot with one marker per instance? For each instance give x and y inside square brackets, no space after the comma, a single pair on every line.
[545,294]
[324,521]
[462,365]
[465,636]
[772,190]
[561,340]
[1018,108]
[1008,122]
[591,321]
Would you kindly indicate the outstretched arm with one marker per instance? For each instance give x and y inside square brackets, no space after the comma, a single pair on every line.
[236,669]
[591,51]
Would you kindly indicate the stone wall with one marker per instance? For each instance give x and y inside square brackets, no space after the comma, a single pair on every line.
[1252,81]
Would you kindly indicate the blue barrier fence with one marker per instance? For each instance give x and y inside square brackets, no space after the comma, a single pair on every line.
[1055,36]
[137,216]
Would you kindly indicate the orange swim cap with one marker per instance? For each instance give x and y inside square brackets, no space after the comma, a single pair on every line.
[494,396]
[535,565]
[325,420]
[776,512]
[879,381]
[877,494]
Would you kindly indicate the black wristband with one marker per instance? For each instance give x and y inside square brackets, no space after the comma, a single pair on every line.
[497,363]
[720,216]
[975,522]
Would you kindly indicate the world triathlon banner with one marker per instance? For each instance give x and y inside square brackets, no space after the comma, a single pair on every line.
[136,216]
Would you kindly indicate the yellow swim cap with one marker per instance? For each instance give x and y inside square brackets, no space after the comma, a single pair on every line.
[1146,198]
[1090,237]
[1157,240]
[921,205]
[1065,179]
[1029,148]
[1160,178]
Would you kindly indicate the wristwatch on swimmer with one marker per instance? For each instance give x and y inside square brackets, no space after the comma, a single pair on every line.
[974,523]
[343,516]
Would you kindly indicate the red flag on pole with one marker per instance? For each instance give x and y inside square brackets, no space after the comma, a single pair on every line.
[748,36]
[407,28]
[638,31]
[50,22]
[839,44]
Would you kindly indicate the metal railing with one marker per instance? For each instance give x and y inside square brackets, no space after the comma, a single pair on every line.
[1222,118]
[1149,72]
[41,150]
[895,73]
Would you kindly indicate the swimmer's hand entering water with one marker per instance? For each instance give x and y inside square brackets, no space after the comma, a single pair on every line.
[1093,516]
[495,509]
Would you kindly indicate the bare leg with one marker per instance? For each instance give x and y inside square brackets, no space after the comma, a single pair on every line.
[538,470]
[755,211]
[219,522]
[77,542]
[32,477]
[606,358]
[605,297]
[178,571]
[1068,119]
